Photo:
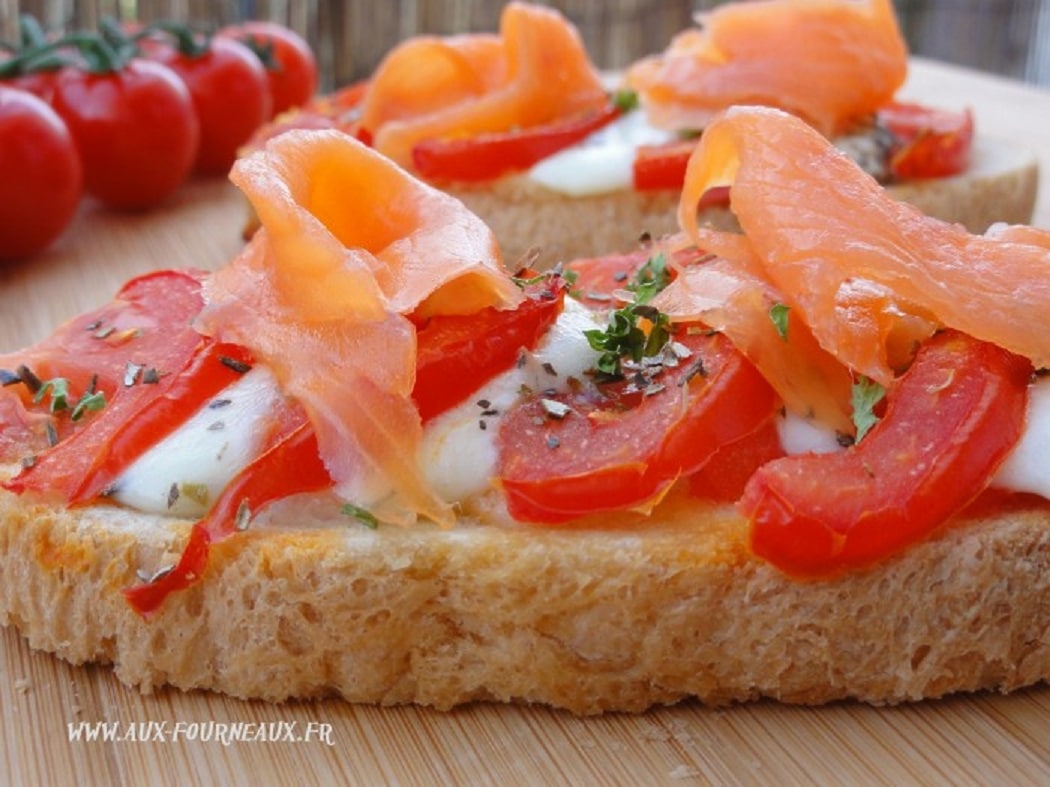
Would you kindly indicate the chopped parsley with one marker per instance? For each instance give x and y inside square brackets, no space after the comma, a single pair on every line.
[623,337]
[625,100]
[778,313]
[90,402]
[865,396]
[650,279]
[236,365]
[56,390]
[362,515]
[522,281]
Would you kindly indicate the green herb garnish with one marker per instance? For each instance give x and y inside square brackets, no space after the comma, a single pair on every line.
[622,338]
[864,396]
[625,100]
[362,515]
[90,402]
[778,313]
[58,388]
[650,279]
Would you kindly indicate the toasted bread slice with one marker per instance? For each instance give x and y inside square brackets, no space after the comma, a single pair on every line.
[620,616]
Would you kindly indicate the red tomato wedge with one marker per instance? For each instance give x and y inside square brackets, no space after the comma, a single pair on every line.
[659,167]
[618,449]
[146,325]
[140,414]
[289,466]
[457,354]
[490,155]
[596,279]
[725,475]
[931,143]
[950,421]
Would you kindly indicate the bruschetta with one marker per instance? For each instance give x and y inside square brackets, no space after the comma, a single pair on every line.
[364,460]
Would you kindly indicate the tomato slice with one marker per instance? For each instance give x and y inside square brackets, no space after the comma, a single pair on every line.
[138,325]
[146,324]
[154,373]
[289,466]
[598,279]
[725,475]
[931,143]
[83,466]
[950,420]
[662,168]
[489,156]
[659,167]
[456,354]
[620,448]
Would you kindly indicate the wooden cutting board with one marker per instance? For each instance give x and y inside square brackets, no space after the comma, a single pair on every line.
[981,739]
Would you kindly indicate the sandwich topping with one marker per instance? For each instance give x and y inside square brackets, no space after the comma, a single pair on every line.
[367,342]
[477,107]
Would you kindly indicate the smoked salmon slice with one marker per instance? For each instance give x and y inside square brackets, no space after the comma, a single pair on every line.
[833,62]
[321,295]
[870,276]
[732,295]
[535,71]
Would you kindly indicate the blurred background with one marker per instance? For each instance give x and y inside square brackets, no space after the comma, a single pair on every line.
[1006,37]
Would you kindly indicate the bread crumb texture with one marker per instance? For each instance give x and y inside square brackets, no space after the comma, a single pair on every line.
[619,618]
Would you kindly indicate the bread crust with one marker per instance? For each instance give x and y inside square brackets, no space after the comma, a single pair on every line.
[1000,186]
[621,617]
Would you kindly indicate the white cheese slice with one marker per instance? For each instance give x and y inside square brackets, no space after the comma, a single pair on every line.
[601,163]
[186,471]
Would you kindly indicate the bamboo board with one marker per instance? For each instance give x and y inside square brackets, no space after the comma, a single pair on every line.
[982,739]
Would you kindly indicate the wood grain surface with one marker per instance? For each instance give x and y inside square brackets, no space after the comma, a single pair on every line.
[982,739]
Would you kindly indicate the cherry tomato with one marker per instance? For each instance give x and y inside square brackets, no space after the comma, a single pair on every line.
[37,74]
[456,354]
[931,143]
[949,422]
[42,178]
[135,129]
[619,449]
[291,67]
[40,83]
[488,156]
[230,97]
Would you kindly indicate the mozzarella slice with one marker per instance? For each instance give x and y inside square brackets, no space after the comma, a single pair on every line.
[186,471]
